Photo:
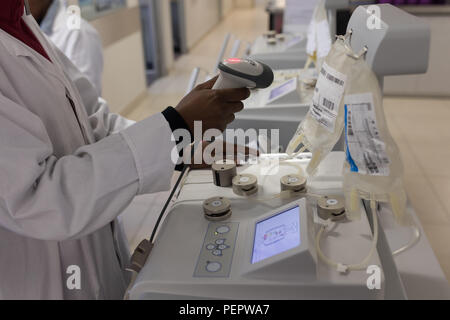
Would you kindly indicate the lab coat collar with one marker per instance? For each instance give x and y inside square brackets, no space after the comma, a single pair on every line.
[19,49]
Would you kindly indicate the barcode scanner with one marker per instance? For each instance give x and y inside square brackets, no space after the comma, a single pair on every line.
[243,73]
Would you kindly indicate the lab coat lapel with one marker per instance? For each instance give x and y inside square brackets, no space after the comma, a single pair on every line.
[17,48]
[56,69]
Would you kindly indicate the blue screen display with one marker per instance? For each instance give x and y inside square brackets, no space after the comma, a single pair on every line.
[276,234]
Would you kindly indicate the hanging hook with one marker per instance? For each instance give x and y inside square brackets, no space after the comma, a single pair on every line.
[363,52]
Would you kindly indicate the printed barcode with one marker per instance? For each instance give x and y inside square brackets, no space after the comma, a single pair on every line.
[329,104]
[370,164]
[335,80]
[316,110]
[349,124]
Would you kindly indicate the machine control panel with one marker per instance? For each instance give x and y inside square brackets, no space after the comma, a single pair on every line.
[216,255]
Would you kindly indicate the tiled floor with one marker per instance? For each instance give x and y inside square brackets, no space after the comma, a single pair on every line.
[421,130]
[420,126]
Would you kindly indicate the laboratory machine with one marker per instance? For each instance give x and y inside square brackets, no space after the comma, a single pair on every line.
[266,230]
[215,244]
[285,104]
[288,50]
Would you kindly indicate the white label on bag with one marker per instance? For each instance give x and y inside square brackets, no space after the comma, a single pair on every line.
[327,96]
[366,151]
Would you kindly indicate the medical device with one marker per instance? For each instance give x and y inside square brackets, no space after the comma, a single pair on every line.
[289,50]
[273,246]
[264,248]
[243,73]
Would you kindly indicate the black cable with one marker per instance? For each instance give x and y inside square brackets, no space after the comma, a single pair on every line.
[183,172]
[155,229]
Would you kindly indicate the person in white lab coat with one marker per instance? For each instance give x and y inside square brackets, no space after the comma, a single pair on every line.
[68,167]
[81,45]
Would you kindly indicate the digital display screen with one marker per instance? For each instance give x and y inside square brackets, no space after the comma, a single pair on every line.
[276,234]
[284,88]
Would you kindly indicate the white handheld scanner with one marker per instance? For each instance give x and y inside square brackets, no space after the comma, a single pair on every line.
[243,73]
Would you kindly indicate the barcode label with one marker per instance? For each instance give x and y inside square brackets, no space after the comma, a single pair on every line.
[335,80]
[366,150]
[349,124]
[328,96]
[331,77]
[327,103]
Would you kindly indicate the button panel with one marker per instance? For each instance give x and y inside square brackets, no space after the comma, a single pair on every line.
[216,256]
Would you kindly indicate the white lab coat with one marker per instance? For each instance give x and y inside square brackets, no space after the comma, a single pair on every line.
[82,46]
[61,187]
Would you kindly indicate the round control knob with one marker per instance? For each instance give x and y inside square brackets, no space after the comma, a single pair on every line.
[217,252]
[220,241]
[223,172]
[217,208]
[331,207]
[293,182]
[245,184]
[213,267]
[210,246]
[222,247]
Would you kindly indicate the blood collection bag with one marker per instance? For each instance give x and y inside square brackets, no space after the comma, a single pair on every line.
[373,170]
[324,123]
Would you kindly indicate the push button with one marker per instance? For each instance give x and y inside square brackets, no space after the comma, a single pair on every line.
[213,266]
[223,229]
[222,247]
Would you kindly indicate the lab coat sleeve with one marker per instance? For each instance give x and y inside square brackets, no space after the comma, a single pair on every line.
[102,121]
[51,198]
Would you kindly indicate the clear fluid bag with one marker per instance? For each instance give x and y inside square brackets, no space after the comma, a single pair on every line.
[324,123]
[373,170]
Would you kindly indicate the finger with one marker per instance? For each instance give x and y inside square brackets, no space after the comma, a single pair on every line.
[207,85]
[230,118]
[234,107]
[233,95]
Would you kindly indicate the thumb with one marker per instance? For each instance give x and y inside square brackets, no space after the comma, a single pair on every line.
[207,85]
